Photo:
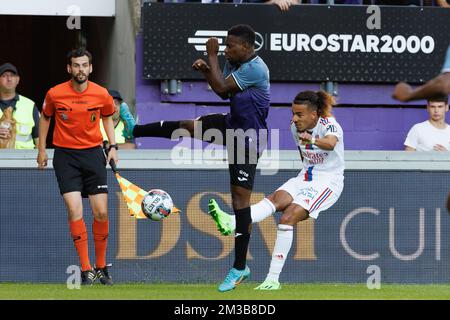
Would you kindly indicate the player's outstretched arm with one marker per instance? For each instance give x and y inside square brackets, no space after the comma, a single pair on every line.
[212,72]
[437,86]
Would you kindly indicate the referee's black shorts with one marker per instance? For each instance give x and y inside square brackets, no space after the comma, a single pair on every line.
[81,170]
[242,167]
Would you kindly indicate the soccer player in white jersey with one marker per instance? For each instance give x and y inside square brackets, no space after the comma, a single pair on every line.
[317,187]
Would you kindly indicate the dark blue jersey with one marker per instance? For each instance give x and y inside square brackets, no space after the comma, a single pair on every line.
[249,107]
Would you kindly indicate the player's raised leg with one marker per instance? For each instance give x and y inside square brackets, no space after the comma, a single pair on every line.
[162,129]
[226,223]
[128,120]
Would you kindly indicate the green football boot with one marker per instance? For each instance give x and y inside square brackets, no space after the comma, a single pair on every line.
[223,220]
[269,285]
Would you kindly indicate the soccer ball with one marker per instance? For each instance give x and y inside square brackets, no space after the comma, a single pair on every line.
[157,205]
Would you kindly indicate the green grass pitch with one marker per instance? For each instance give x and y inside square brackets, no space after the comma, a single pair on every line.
[13,291]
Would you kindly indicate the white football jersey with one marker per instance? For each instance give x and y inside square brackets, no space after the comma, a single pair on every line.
[318,162]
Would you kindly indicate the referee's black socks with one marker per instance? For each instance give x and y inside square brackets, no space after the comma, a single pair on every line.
[162,129]
[242,237]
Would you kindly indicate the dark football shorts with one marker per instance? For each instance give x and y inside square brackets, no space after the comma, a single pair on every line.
[241,162]
[81,170]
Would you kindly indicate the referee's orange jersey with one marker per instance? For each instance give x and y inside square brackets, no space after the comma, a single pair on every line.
[77,115]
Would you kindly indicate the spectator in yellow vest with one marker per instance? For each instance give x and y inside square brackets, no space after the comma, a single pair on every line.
[119,124]
[25,112]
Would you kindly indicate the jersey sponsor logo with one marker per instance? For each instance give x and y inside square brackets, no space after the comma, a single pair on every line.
[201,37]
[315,157]
[242,179]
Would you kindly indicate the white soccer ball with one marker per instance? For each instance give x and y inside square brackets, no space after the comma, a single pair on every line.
[157,205]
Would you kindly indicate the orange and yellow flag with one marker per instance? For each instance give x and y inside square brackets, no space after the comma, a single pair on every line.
[133,197]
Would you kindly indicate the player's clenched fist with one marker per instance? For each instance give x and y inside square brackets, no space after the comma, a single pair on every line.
[212,46]
[305,137]
[200,65]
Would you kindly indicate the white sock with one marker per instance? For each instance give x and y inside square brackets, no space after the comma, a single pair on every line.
[285,235]
[262,210]
[259,211]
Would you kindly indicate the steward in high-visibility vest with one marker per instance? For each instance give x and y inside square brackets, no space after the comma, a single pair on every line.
[24,110]
[118,131]
[23,114]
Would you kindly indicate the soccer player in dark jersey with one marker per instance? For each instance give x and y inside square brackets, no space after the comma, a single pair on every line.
[78,106]
[245,81]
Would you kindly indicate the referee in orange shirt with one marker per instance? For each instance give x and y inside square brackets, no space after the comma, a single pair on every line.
[79,161]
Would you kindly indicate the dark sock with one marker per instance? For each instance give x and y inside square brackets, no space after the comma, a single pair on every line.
[162,129]
[243,221]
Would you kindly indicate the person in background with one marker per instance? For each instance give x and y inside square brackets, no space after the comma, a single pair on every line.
[25,112]
[433,134]
[121,110]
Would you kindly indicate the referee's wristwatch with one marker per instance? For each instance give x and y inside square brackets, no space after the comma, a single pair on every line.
[115,146]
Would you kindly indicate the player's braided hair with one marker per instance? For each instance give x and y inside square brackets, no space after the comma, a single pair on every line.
[319,101]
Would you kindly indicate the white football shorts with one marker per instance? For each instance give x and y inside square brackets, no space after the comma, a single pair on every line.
[314,196]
